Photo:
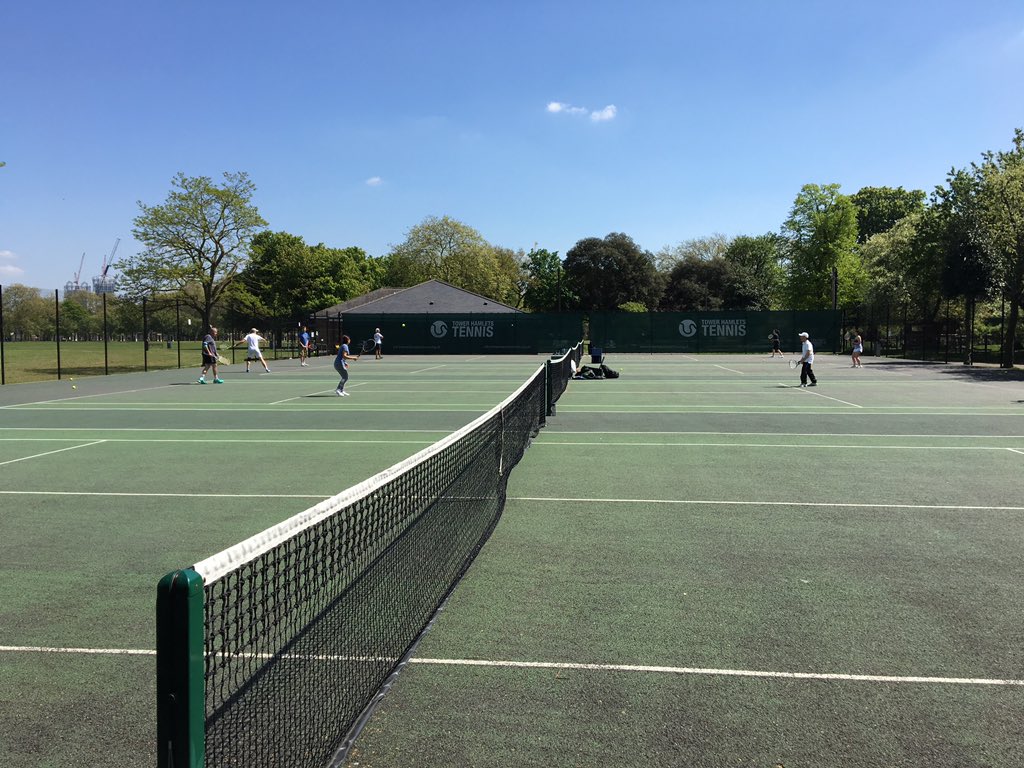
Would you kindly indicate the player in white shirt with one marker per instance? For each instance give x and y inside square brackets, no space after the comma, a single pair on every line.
[252,352]
[806,361]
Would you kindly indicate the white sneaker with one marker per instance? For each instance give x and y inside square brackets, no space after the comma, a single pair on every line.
[339,393]
[343,394]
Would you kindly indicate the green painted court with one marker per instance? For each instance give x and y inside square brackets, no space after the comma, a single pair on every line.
[699,563]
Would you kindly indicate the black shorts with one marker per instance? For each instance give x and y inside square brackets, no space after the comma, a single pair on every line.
[209,359]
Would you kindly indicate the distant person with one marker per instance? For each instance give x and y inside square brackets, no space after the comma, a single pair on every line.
[806,361]
[378,343]
[304,346]
[341,365]
[252,351]
[776,340]
[210,357]
[858,350]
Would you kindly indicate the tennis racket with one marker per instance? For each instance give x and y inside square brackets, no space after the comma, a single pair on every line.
[793,363]
[223,360]
[367,347]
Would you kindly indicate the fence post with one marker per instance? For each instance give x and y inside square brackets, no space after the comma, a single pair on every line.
[106,334]
[180,696]
[56,326]
[3,333]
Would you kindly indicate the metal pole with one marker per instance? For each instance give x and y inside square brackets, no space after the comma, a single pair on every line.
[145,337]
[56,326]
[3,375]
[177,327]
[106,334]
[947,330]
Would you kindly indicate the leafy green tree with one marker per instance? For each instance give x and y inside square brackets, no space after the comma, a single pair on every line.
[28,314]
[990,197]
[547,289]
[81,316]
[758,270]
[705,248]
[879,208]
[606,273]
[196,242]
[822,233]
[286,278]
[697,284]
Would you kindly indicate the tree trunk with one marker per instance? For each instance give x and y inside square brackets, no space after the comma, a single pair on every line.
[1009,341]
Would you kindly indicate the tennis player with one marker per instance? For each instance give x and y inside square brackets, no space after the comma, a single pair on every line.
[252,352]
[304,346]
[378,343]
[806,361]
[341,365]
[210,357]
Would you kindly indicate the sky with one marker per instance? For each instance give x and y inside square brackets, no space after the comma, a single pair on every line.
[537,123]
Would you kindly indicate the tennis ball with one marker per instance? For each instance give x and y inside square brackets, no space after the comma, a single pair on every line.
[74,386]
[403,325]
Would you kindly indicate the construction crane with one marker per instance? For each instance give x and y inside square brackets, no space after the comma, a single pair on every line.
[74,285]
[110,260]
[103,283]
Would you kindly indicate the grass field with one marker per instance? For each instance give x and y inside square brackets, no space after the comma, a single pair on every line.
[699,563]
[26,361]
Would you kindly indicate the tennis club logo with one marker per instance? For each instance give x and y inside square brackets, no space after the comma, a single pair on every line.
[713,327]
[439,329]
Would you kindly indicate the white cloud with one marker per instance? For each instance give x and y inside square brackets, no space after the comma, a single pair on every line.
[598,115]
[9,270]
[374,181]
[556,107]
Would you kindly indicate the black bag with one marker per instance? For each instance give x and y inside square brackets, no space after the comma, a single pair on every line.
[608,372]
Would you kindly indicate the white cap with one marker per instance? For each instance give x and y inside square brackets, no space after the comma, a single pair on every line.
[804,333]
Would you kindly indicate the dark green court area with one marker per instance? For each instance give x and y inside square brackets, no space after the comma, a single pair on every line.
[699,563]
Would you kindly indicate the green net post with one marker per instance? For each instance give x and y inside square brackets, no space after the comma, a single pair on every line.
[180,706]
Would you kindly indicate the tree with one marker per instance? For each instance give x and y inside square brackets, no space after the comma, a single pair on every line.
[879,208]
[706,248]
[758,271]
[286,278]
[27,313]
[605,274]
[196,242]
[822,233]
[991,196]
[446,249]
[547,289]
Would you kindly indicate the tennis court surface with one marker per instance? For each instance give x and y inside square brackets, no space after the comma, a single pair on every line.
[698,563]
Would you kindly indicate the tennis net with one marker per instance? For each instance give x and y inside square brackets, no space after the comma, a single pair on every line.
[271,652]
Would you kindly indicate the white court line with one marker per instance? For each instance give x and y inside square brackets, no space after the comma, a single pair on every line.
[731,370]
[14,406]
[50,453]
[299,430]
[721,672]
[431,368]
[194,494]
[207,440]
[314,394]
[767,445]
[718,433]
[646,668]
[727,503]
[836,399]
[1014,450]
